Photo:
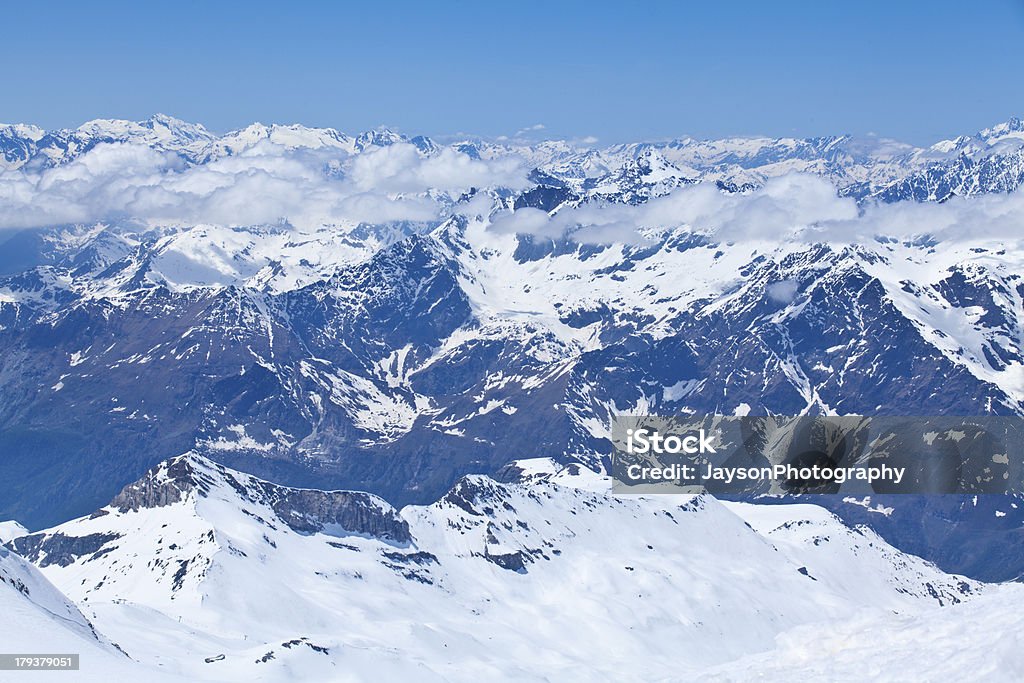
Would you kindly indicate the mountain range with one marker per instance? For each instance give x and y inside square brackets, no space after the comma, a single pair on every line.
[396,357]
[201,572]
[288,403]
[863,167]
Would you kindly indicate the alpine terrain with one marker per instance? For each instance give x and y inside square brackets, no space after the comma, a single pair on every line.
[291,403]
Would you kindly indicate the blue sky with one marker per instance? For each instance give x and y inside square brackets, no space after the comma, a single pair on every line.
[914,71]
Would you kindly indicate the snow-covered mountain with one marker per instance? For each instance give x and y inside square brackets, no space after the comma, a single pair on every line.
[864,167]
[491,319]
[209,573]
[274,348]
[33,147]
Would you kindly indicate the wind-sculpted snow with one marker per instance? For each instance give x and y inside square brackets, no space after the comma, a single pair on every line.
[19,579]
[543,576]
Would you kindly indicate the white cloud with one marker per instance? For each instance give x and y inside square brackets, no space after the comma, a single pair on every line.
[399,168]
[265,184]
[984,216]
[478,206]
[782,205]
[528,221]
[782,292]
[792,207]
[534,127]
[268,183]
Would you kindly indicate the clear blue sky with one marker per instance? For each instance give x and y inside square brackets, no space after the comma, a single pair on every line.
[917,71]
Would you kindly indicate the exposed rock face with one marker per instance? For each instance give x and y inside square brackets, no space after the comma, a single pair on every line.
[46,549]
[165,484]
[303,510]
[310,511]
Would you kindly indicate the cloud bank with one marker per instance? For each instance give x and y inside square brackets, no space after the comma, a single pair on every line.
[792,207]
[780,206]
[265,184]
[307,188]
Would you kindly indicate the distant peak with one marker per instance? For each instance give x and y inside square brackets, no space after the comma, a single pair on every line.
[23,130]
[1011,125]
[169,121]
[380,137]
[172,122]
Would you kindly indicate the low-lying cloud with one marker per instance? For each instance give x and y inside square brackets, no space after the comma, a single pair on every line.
[793,207]
[780,206]
[269,184]
[265,184]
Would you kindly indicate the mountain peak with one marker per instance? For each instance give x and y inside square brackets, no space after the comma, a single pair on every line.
[380,137]
[178,127]
[1009,127]
[22,130]
[305,510]
[166,484]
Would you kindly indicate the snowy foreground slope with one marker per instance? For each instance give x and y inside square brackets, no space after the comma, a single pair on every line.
[37,618]
[208,573]
[979,640]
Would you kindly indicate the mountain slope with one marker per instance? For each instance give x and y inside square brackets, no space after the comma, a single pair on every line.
[38,619]
[958,641]
[449,353]
[213,574]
